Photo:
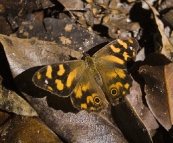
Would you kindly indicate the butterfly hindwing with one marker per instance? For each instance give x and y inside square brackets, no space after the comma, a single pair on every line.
[111,64]
[87,94]
[116,84]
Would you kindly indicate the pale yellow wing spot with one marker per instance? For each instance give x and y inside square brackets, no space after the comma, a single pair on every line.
[50,88]
[125,55]
[49,72]
[85,87]
[59,84]
[61,70]
[113,59]
[120,73]
[114,49]
[117,85]
[122,43]
[112,74]
[94,95]
[71,77]
[123,93]
[92,108]
[78,92]
[127,86]
[83,106]
[134,53]
[89,99]
[130,41]
[38,75]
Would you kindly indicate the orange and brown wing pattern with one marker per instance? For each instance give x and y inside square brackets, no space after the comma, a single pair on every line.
[111,64]
[88,93]
[86,81]
[118,50]
[72,79]
[60,78]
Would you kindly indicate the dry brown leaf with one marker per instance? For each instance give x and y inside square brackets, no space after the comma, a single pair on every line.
[142,112]
[167,47]
[81,127]
[23,54]
[166,4]
[10,101]
[3,117]
[26,130]
[78,38]
[14,13]
[72,4]
[15,104]
[158,88]
[168,19]
[169,86]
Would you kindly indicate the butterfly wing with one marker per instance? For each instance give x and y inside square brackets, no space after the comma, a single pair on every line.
[87,94]
[60,78]
[74,79]
[111,64]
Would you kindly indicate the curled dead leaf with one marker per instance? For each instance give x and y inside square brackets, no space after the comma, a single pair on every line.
[80,127]
[158,89]
[167,47]
[26,55]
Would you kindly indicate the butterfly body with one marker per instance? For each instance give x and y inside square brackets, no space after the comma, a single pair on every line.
[88,81]
[91,64]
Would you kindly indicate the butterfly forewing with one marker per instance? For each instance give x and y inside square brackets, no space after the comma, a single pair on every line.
[120,48]
[60,78]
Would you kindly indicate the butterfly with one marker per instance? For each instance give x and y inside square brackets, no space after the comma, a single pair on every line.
[88,80]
